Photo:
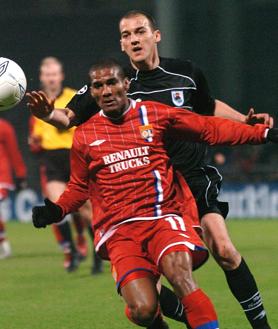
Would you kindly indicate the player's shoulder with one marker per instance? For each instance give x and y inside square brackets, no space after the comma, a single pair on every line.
[178,66]
[69,91]
[86,125]
[152,105]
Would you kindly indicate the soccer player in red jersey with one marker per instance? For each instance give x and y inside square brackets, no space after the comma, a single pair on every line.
[118,156]
[11,161]
[182,84]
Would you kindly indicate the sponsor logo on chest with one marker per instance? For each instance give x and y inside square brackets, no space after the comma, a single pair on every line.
[130,158]
[177,97]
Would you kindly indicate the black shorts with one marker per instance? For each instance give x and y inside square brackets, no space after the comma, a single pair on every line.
[56,164]
[205,184]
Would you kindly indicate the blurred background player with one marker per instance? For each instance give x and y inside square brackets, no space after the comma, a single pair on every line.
[53,147]
[11,161]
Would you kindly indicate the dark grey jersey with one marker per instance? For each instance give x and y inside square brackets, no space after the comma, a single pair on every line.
[175,83]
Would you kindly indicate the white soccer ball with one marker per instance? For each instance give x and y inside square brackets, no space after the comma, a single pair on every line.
[12,84]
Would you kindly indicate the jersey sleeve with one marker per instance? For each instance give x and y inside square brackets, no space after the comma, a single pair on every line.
[13,152]
[203,102]
[83,105]
[76,192]
[213,130]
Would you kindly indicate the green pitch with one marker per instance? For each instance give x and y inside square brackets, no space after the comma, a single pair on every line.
[36,293]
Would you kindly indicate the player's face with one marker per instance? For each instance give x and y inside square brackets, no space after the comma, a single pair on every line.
[109,90]
[51,77]
[138,39]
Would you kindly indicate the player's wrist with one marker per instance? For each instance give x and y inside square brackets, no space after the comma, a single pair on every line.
[271,135]
[49,117]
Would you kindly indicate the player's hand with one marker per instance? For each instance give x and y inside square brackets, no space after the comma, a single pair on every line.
[264,118]
[272,135]
[39,105]
[20,184]
[46,215]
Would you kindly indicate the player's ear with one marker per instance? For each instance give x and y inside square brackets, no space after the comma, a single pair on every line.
[91,91]
[122,47]
[126,84]
[157,35]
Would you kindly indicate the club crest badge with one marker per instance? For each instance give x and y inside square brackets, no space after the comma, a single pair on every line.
[146,131]
[177,97]
[82,90]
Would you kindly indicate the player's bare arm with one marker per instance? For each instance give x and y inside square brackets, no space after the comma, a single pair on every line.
[43,108]
[225,111]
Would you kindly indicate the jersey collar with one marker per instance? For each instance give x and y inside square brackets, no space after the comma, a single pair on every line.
[132,105]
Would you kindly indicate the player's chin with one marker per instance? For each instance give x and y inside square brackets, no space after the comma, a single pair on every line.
[110,109]
[138,58]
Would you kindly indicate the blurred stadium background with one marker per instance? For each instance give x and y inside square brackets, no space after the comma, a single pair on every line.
[234,42]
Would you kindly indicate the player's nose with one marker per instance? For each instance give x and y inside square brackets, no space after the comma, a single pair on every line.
[106,91]
[134,39]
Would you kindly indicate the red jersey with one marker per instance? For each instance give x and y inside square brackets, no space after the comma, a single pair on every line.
[11,159]
[124,167]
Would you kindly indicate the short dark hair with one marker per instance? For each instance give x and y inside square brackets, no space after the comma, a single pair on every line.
[149,17]
[108,63]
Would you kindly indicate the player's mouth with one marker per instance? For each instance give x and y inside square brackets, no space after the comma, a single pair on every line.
[137,50]
[109,102]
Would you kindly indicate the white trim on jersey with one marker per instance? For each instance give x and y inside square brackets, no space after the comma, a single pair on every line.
[209,181]
[132,104]
[136,76]
[188,244]
[218,173]
[145,119]
[207,189]
[159,91]
[179,75]
[114,228]
[159,191]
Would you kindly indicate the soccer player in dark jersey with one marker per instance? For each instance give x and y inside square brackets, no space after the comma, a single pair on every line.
[181,84]
[119,158]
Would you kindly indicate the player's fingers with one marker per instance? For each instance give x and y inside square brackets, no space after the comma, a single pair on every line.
[30,97]
[43,97]
[263,117]
[35,97]
[250,114]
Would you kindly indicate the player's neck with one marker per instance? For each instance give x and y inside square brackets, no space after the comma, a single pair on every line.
[118,114]
[147,65]
[53,94]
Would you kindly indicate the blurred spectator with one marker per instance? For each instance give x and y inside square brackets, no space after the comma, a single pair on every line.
[11,162]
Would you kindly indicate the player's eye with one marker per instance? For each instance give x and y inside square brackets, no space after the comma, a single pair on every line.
[112,82]
[125,35]
[141,31]
[97,85]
